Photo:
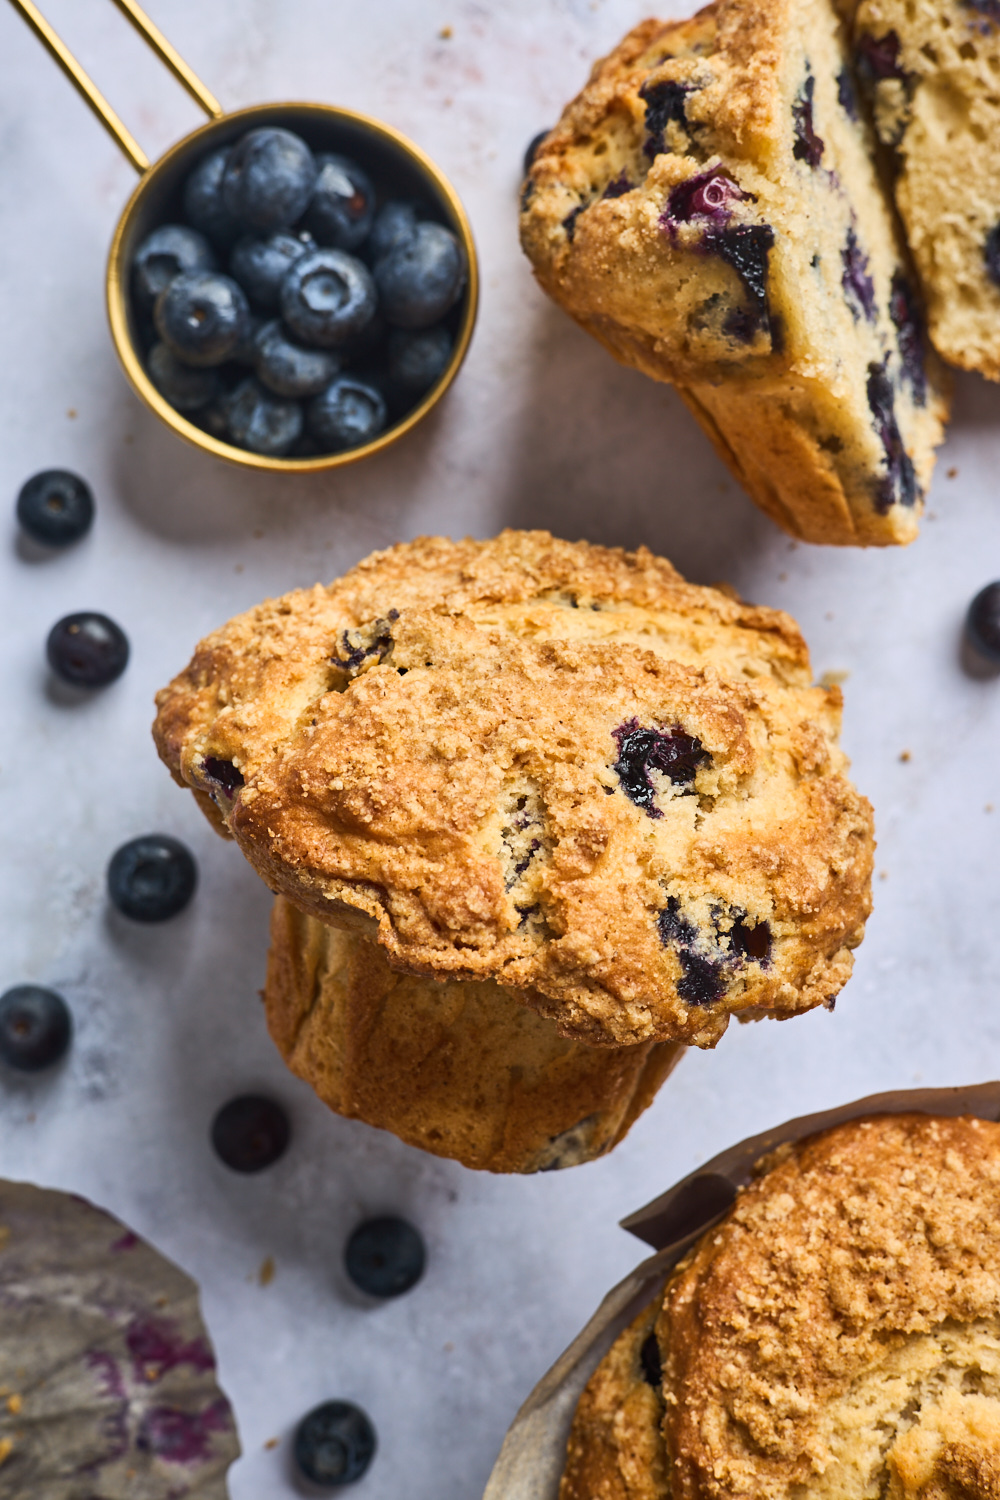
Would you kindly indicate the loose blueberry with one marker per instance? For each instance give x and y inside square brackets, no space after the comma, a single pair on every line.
[260,422]
[288,369]
[385,1257]
[859,289]
[651,1361]
[418,357]
[250,1133]
[421,279]
[676,754]
[203,205]
[268,179]
[348,413]
[334,1444]
[531,151]
[395,223]
[808,146]
[87,650]
[260,264]
[55,508]
[343,203]
[327,297]
[982,623]
[202,317]
[991,251]
[665,102]
[186,388]
[164,254]
[35,1028]
[152,878]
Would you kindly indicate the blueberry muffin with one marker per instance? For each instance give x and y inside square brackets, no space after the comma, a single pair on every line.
[710,210]
[552,765]
[931,74]
[837,1336]
[462,1069]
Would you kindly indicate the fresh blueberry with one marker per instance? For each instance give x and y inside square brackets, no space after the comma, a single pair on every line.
[245,352]
[185,387]
[334,1444]
[641,750]
[87,650]
[164,254]
[250,1133]
[982,623]
[268,179]
[152,878]
[260,264]
[418,356]
[395,223]
[35,1028]
[202,317]
[260,422]
[55,507]
[348,413]
[343,203]
[203,205]
[422,278]
[385,1257]
[288,369]
[531,151]
[327,297]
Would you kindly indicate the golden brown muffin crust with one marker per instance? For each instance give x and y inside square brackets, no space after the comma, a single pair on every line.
[431,751]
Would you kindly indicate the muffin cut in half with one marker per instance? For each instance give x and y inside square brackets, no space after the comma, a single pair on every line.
[835,1337]
[932,72]
[709,208]
[555,766]
[462,1069]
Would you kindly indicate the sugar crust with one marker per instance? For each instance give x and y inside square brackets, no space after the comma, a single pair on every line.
[456,798]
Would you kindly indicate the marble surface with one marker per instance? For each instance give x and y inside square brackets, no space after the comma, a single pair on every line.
[541,429]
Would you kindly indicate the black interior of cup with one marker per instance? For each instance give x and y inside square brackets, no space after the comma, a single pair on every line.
[394,172]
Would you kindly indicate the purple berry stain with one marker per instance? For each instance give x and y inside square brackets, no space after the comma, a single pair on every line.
[907,316]
[155,1350]
[569,223]
[899,483]
[808,145]
[878,58]
[181,1437]
[991,251]
[847,96]
[640,751]
[859,289]
[664,103]
[708,197]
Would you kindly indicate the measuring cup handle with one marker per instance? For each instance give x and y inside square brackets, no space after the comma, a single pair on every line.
[92,94]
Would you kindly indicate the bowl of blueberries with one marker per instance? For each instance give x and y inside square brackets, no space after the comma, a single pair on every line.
[294,287]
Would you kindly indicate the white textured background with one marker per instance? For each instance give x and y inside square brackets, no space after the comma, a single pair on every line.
[541,429]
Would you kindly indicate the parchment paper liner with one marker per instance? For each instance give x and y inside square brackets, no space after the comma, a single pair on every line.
[107,1375]
[531,1460]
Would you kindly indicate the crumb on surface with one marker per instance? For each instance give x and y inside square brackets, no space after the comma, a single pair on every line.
[446,33]
[904,756]
[266,1273]
[272,1443]
[952,473]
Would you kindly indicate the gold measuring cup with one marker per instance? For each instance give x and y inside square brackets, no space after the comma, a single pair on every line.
[394,163]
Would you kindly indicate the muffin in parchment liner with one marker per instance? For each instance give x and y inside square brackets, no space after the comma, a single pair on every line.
[823,1321]
[460,1068]
[550,765]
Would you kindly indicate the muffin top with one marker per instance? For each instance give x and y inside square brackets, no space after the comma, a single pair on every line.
[837,1335]
[550,764]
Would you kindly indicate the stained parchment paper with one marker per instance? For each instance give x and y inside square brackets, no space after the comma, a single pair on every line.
[533,1454]
[107,1375]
